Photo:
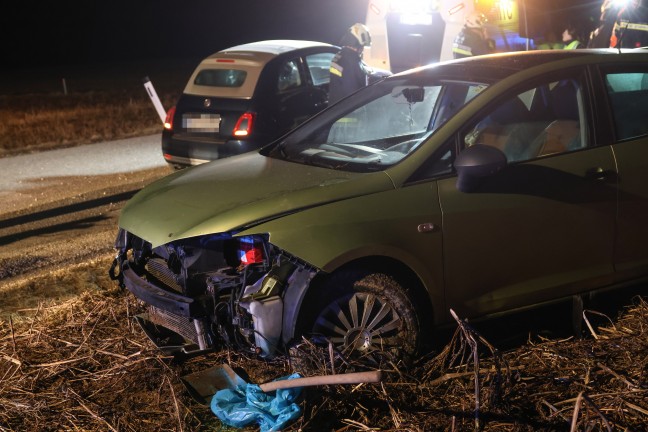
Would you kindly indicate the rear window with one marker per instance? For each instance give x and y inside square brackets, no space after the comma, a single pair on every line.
[220,77]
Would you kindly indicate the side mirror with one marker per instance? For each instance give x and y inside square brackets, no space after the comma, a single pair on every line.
[475,163]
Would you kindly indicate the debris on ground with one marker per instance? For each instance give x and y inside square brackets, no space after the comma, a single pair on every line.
[84,365]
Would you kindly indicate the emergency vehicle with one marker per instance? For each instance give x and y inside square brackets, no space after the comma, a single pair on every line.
[412,33]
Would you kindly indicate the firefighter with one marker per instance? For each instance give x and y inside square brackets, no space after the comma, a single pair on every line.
[471,40]
[621,25]
[348,71]
[600,36]
[631,26]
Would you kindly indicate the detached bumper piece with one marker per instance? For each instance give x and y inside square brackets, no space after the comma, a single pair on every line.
[181,346]
[159,298]
[173,323]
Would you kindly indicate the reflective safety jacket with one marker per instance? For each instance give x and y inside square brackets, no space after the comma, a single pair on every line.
[573,45]
[348,74]
[628,34]
[469,42]
[631,26]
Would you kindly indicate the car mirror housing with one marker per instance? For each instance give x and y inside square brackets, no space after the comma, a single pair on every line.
[475,163]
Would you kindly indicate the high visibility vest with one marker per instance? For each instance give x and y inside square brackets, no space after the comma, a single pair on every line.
[572,45]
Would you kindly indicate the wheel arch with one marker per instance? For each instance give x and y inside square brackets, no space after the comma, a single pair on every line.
[426,303]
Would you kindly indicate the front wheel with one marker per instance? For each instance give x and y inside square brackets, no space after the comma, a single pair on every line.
[363,315]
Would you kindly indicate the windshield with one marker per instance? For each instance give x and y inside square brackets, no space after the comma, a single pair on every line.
[378,126]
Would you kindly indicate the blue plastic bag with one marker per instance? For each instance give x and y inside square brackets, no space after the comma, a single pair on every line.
[245,404]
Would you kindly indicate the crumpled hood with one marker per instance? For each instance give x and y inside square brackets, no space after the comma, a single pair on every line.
[235,192]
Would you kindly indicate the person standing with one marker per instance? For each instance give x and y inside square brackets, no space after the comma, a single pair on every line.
[348,72]
[600,36]
[631,25]
[549,42]
[471,40]
[570,38]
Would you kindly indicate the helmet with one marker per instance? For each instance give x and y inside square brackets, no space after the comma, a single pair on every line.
[475,20]
[361,33]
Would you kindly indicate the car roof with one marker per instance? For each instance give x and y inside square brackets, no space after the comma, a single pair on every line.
[251,58]
[275,47]
[498,66]
[261,52]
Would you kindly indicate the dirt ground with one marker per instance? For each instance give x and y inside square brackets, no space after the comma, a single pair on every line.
[71,357]
[61,221]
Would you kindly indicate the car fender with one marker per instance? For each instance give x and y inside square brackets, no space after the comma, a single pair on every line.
[340,233]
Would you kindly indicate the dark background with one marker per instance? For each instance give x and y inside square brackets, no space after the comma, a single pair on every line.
[86,45]
[94,31]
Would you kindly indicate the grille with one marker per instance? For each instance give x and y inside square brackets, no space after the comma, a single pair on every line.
[158,268]
[183,326]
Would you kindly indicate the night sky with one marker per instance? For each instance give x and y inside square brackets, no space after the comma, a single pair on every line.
[94,31]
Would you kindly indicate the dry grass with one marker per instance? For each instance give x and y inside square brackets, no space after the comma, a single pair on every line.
[102,103]
[40,122]
[44,122]
[81,364]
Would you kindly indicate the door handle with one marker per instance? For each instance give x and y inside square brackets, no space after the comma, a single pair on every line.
[598,173]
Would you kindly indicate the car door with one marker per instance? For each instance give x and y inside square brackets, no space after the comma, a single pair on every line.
[542,227]
[291,95]
[626,89]
[318,76]
[302,88]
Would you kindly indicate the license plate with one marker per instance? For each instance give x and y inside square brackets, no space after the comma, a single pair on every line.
[201,122]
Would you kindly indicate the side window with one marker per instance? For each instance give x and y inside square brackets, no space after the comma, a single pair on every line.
[452,98]
[541,121]
[318,68]
[289,76]
[628,93]
[455,96]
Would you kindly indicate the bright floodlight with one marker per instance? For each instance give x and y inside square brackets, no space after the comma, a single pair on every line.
[413,6]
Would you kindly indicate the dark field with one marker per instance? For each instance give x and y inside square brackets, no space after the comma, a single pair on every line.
[65,106]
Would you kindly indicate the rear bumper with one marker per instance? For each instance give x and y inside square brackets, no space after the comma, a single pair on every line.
[186,150]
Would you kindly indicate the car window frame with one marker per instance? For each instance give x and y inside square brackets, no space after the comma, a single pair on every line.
[302,79]
[605,101]
[455,145]
[307,69]
[556,76]
[278,147]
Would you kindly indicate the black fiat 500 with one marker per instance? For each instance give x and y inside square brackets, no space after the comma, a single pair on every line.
[243,97]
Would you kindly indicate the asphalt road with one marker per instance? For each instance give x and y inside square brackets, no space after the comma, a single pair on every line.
[61,207]
[113,157]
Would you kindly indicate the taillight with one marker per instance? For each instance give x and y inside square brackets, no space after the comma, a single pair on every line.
[250,250]
[244,125]
[168,121]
